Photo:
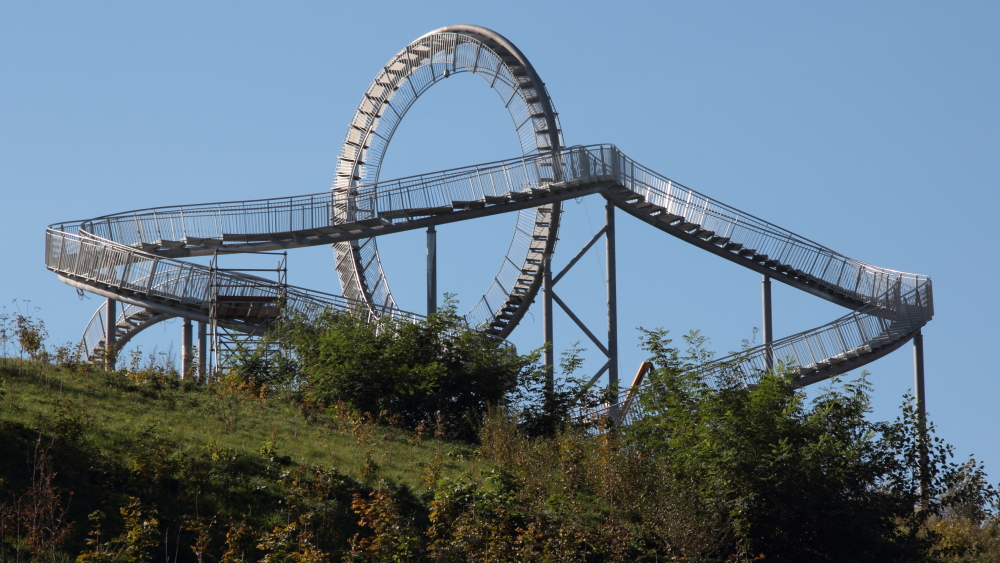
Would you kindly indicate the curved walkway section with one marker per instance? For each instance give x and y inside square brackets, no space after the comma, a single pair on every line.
[131,256]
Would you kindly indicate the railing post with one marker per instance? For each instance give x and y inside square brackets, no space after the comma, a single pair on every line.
[187,354]
[110,334]
[768,333]
[431,270]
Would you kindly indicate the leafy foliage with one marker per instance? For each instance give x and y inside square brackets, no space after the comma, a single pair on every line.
[404,372]
[795,479]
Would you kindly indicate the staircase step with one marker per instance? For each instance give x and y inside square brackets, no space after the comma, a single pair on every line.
[195,241]
[685,226]
[380,222]
[467,205]
[669,218]
[703,234]
[496,199]
[718,241]
[759,258]
[412,212]
[733,246]
[625,193]
[747,252]
[170,243]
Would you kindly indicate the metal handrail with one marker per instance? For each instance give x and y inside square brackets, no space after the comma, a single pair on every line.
[126,270]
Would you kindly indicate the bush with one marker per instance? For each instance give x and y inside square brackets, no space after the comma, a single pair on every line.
[402,372]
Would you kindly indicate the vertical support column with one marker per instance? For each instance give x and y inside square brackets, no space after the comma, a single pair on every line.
[766,329]
[609,239]
[548,356]
[110,334]
[187,353]
[431,270]
[202,350]
[919,396]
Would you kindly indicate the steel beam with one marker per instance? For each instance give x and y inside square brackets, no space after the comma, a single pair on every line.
[549,353]
[202,349]
[431,270]
[918,373]
[579,255]
[921,400]
[187,353]
[110,334]
[580,324]
[766,327]
[609,231]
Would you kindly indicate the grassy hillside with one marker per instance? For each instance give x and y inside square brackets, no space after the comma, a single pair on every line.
[135,466]
[113,411]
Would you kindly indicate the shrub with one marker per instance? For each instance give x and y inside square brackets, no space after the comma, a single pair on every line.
[404,372]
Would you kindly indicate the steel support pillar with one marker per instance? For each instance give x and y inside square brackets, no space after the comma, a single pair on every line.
[187,353]
[202,350]
[768,335]
[548,356]
[110,334]
[918,374]
[609,239]
[920,398]
[431,270]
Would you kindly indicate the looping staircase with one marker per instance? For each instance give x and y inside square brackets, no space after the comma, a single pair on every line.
[131,256]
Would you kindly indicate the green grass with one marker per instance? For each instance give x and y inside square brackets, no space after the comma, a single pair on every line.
[111,412]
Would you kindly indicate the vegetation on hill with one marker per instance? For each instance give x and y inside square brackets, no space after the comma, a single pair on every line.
[428,443]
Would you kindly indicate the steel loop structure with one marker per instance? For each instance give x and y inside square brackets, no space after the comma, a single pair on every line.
[422,64]
[135,257]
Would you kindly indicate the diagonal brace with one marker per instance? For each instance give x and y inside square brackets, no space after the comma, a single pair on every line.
[579,255]
[580,324]
[599,373]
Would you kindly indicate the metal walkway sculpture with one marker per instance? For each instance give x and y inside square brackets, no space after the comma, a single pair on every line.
[134,257]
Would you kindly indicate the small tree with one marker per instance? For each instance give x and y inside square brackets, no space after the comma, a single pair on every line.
[795,481]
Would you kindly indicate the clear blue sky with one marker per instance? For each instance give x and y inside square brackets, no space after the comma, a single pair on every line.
[871,128]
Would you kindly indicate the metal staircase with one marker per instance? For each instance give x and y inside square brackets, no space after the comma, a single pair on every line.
[131,256]
[131,321]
